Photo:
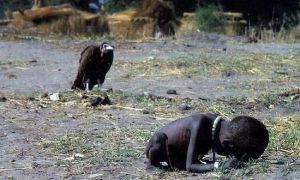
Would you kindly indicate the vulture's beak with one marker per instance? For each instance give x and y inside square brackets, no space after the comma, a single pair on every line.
[106,49]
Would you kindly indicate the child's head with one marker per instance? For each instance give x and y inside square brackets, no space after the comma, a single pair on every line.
[158,150]
[247,138]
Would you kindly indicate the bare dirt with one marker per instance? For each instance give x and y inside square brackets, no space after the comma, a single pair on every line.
[32,126]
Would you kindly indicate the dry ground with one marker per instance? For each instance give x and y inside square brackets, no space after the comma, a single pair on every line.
[40,138]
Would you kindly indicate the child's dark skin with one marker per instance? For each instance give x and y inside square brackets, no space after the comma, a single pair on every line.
[182,142]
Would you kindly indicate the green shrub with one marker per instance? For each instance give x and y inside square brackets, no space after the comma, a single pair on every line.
[208,18]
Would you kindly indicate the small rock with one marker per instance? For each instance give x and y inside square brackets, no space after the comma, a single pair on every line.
[97,101]
[42,105]
[224,49]
[228,73]
[54,97]
[3,99]
[78,155]
[109,90]
[35,165]
[151,58]
[146,93]
[31,98]
[171,91]
[106,101]
[33,61]
[146,111]
[44,95]
[184,107]
[188,45]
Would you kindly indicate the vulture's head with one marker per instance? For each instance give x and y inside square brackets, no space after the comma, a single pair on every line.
[106,49]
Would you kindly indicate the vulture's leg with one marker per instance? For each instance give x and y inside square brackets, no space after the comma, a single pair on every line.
[87,84]
[99,85]
[87,87]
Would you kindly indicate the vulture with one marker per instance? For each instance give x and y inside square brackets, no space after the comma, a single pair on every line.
[94,63]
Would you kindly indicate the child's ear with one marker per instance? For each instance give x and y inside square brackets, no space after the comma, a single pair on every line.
[229,148]
[228,144]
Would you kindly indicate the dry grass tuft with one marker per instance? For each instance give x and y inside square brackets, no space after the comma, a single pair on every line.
[284,135]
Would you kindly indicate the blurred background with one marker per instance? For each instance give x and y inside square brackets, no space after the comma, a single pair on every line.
[154,18]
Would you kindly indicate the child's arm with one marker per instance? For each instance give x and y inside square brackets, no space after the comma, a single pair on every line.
[228,164]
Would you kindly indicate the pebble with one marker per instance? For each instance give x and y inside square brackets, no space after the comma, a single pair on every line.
[33,61]
[146,111]
[228,73]
[151,58]
[100,101]
[106,101]
[3,99]
[171,91]
[97,101]
[31,98]
[184,107]
[109,90]
[146,93]
[54,97]
[44,95]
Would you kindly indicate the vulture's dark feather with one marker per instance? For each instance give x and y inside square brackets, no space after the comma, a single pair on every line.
[94,63]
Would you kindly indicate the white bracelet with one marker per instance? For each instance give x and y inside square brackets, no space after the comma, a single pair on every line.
[164,163]
[216,165]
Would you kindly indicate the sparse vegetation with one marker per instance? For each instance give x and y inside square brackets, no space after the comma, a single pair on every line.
[123,144]
[13,63]
[265,35]
[104,147]
[207,66]
[284,135]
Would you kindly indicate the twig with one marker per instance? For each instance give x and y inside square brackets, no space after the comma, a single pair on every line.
[164,118]
[129,174]
[17,102]
[129,108]
[213,174]
[283,150]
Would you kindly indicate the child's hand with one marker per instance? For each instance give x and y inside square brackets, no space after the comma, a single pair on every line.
[231,164]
